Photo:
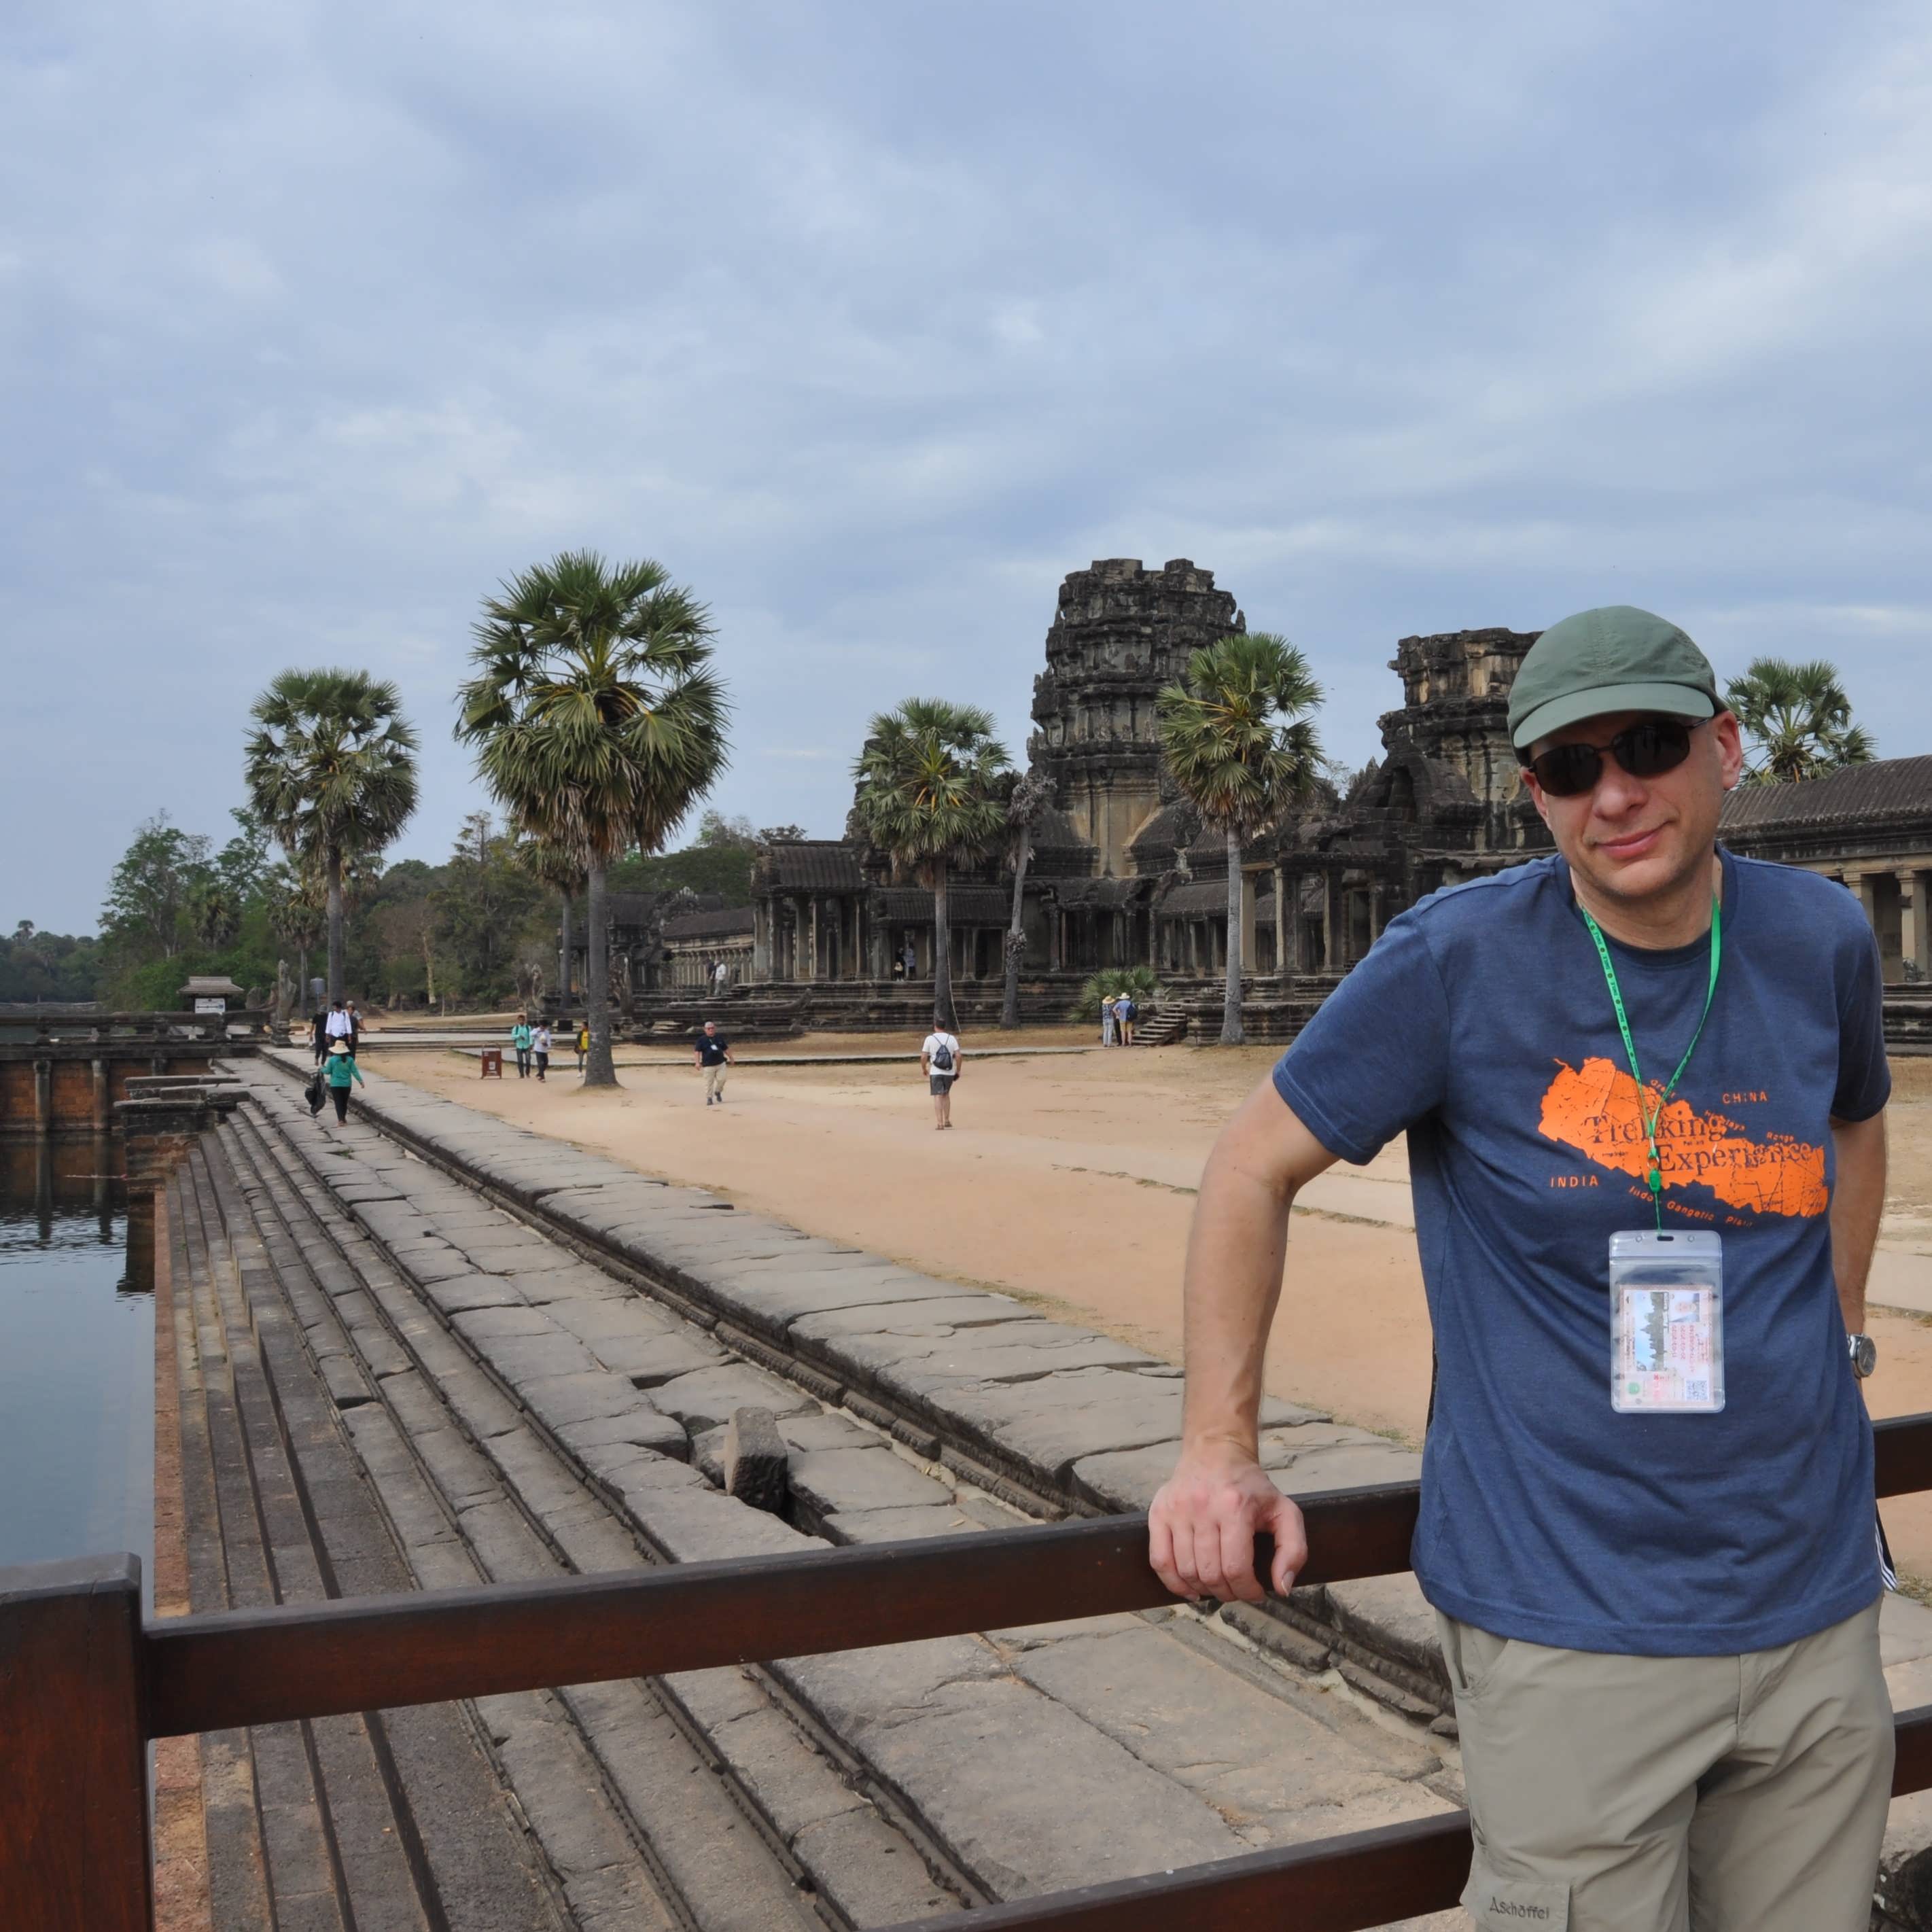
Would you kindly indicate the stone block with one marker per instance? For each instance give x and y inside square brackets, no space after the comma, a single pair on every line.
[559,1401]
[473,1290]
[483,1326]
[1283,1759]
[705,1399]
[963,1753]
[753,1458]
[695,1524]
[870,1873]
[528,1358]
[641,1427]
[649,1360]
[898,1525]
[837,1482]
[1389,1616]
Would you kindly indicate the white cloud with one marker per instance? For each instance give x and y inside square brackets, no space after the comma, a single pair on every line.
[873,322]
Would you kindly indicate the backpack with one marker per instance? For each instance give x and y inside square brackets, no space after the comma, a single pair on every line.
[942,1058]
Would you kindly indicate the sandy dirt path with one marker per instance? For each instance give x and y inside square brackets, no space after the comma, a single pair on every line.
[1068,1181]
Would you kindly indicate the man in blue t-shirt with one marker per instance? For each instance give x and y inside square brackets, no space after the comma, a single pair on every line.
[1647,1522]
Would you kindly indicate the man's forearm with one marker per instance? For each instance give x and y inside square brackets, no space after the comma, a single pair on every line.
[1858,1205]
[1235,1258]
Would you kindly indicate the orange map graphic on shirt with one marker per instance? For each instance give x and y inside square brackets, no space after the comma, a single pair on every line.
[1595,1109]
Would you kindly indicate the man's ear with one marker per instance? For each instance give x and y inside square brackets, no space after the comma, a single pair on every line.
[1729,740]
[1535,791]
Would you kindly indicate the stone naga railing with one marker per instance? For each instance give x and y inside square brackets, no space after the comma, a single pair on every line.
[39,1026]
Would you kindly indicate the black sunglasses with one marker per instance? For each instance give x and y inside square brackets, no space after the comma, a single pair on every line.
[1645,750]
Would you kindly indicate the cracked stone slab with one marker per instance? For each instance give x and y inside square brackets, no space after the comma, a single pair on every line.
[698,1524]
[942,1315]
[705,1399]
[584,1396]
[963,1749]
[1276,1767]
[1125,1479]
[836,1482]
[898,1525]
[483,1326]
[642,1427]
[649,1360]
[474,1290]
[1061,1419]
[520,1359]
[780,1307]
[1390,1614]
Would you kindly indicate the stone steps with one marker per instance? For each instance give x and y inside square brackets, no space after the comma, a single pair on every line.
[1018,1762]
[382,1820]
[1054,1419]
[470,1482]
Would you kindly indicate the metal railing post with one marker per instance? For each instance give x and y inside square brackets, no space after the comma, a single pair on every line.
[73,1826]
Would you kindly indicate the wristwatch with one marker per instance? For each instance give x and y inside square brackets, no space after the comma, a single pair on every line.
[1864,1355]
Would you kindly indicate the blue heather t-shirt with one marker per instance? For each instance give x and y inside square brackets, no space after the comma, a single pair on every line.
[1480,1022]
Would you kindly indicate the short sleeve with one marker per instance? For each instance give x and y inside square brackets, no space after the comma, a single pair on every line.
[1864,1077]
[1374,1057]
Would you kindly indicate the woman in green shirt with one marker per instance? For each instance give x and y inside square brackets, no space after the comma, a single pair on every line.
[519,1038]
[337,1071]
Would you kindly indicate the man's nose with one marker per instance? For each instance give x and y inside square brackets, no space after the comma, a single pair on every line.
[1617,792]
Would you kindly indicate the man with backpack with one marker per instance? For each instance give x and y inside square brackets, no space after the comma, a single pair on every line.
[1125,1012]
[939,1058]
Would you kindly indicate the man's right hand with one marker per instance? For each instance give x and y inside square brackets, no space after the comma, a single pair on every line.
[1202,1527]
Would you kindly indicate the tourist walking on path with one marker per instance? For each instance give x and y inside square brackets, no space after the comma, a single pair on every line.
[540,1046]
[337,1025]
[910,954]
[1107,1021]
[939,1059]
[721,976]
[318,1034]
[338,1070]
[1125,1012]
[583,1045]
[355,1013]
[1647,1184]
[520,1039]
[713,1056]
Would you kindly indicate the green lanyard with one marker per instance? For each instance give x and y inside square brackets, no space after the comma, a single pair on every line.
[1655,1176]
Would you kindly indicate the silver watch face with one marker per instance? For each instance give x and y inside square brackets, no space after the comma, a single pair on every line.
[1864,1355]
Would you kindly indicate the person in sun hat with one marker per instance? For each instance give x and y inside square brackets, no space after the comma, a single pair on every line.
[338,1071]
[1643,1084]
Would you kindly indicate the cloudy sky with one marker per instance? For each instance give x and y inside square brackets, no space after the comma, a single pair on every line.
[871,321]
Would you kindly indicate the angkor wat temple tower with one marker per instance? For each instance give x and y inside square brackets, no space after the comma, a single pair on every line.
[1456,688]
[1120,633]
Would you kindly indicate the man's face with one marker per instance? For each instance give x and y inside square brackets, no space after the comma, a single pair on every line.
[1631,838]
[710,1026]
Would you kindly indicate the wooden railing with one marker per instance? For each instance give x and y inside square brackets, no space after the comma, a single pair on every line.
[84,1685]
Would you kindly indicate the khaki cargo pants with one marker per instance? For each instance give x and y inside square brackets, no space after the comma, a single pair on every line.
[1673,1794]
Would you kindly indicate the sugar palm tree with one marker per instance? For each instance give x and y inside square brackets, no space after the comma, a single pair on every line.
[1237,740]
[1797,720]
[1028,799]
[931,796]
[558,868]
[332,771]
[598,724]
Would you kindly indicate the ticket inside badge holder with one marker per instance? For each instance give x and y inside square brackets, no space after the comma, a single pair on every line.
[1667,1323]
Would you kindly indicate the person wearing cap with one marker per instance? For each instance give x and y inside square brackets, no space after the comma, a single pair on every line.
[1643,1082]
[338,1070]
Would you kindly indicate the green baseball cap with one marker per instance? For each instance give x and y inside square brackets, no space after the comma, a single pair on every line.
[1615,658]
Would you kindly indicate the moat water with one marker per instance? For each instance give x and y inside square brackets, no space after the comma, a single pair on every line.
[76,1356]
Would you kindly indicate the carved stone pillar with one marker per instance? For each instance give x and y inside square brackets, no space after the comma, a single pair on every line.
[1914,939]
[1331,956]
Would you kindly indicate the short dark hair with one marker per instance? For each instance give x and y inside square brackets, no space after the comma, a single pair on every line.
[939,1020]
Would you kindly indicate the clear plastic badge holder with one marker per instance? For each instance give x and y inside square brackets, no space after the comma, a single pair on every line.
[1667,1323]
